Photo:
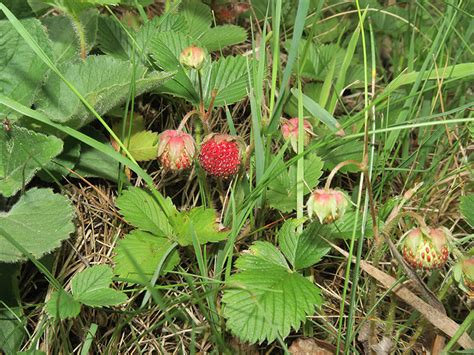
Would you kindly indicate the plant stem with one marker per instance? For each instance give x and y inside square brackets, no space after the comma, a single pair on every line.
[81,34]
[337,168]
[185,120]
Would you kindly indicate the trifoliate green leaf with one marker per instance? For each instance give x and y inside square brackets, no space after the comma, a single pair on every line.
[147,250]
[201,222]
[39,222]
[91,287]
[265,299]
[22,153]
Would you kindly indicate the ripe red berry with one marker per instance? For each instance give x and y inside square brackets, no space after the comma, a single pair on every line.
[426,248]
[176,150]
[221,155]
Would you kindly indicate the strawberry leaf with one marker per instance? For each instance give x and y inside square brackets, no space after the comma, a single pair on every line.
[282,189]
[147,250]
[305,249]
[141,209]
[103,81]
[39,222]
[91,287]
[467,208]
[62,305]
[201,222]
[22,153]
[21,73]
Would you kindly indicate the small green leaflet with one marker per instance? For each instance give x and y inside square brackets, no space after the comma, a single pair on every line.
[142,144]
[89,287]
[203,222]
[282,190]
[305,249]
[266,299]
[467,208]
[142,210]
[62,305]
[147,250]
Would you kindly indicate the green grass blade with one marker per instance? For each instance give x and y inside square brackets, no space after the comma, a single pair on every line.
[300,20]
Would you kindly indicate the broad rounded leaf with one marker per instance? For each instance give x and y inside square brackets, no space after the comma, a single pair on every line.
[64,41]
[22,153]
[102,80]
[21,72]
[39,221]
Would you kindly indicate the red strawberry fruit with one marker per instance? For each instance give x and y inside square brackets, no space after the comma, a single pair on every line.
[426,248]
[176,150]
[221,155]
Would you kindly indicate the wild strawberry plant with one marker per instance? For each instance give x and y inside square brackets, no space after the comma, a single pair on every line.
[215,149]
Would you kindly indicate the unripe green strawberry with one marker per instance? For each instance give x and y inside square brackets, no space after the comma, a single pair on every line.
[327,204]
[468,273]
[426,248]
[192,57]
[289,131]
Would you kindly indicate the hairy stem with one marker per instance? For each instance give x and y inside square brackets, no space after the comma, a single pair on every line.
[81,35]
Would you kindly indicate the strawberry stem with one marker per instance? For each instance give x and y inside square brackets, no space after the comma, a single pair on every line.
[337,168]
[185,119]
[81,34]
